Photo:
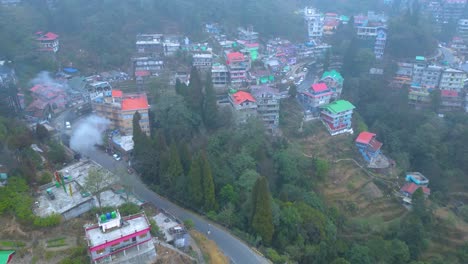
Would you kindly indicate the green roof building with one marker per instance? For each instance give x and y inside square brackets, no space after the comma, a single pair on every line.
[6,256]
[334,81]
[337,117]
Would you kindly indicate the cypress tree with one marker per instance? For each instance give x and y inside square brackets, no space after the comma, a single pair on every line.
[195,94]
[210,108]
[262,219]
[185,157]
[174,171]
[181,89]
[195,189]
[209,201]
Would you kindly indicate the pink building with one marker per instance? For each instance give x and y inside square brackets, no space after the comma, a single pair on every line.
[115,239]
[238,66]
[48,42]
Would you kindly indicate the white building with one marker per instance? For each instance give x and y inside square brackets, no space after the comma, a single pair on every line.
[314,22]
[202,61]
[149,43]
[219,75]
[452,79]
[462,29]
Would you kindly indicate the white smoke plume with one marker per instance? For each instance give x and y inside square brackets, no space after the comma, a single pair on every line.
[44,78]
[88,133]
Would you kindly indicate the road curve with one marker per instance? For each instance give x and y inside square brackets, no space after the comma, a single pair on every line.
[235,249]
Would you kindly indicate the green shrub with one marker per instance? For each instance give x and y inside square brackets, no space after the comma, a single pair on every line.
[189,224]
[129,209]
[48,221]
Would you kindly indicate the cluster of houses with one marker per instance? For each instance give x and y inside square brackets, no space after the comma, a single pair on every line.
[423,76]
[370,149]
[371,27]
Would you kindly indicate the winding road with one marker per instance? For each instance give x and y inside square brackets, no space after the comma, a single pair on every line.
[235,249]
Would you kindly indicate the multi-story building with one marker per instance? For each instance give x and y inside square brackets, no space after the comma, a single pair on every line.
[334,82]
[120,108]
[153,64]
[238,66]
[48,42]
[336,117]
[403,75]
[450,101]
[202,61]
[244,106]
[150,43]
[8,86]
[462,29]
[380,41]
[419,97]
[452,79]
[319,94]
[314,22]
[268,106]
[97,89]
[171,45]
[247,35]
[116,239]
[431,77]
[452,10]
[419,66]
[219,75]
[368,146]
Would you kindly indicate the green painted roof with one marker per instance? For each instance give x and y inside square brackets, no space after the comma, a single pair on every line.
[339,106]
[4,255]
[334,75]
[344,18]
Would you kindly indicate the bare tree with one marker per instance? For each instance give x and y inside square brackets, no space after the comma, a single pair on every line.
[96,182]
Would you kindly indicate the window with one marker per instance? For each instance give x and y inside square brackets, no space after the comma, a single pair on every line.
[99,252]
[142,236]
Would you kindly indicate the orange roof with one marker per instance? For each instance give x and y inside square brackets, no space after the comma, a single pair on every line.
[241,96]
[235,56]
[135,103]
[365,137]
[117,93]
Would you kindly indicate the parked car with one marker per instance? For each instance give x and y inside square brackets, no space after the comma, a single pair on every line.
[116,157]
[67,125]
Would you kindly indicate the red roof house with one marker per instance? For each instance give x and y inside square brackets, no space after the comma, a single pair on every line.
[319,87]
[365,137]
[409,188]
[49,36]
[241,97]
[139,102]
[235,57]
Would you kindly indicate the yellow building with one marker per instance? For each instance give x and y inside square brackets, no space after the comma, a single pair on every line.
[120,109]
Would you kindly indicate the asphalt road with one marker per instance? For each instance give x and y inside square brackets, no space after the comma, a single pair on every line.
[232,247]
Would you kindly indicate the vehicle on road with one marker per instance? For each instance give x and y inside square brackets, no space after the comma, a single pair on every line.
[116,157]
[67,125]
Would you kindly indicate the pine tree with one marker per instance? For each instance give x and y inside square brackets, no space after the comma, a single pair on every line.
[195,94]
[194,181]
[210,108]
[185,157]
[262,219]
[174,172]
[181,88]
[209,201]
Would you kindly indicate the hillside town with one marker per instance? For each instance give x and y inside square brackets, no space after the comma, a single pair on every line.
[132,140]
